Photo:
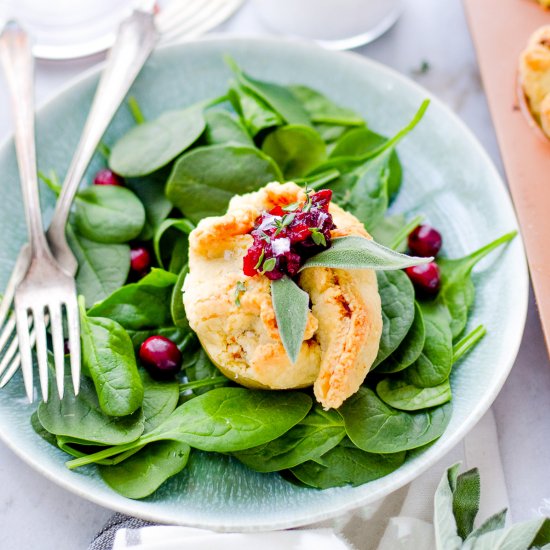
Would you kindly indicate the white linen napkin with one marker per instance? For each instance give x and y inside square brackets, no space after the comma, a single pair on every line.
[402,520]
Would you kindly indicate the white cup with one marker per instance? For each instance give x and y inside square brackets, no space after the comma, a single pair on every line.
[336,24]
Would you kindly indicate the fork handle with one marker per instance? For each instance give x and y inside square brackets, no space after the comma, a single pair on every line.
[16,56]
[136,38]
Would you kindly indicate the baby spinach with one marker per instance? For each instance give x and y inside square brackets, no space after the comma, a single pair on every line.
[324,111]
[279,98]
[347,465]
[330,133]
[102,268]
[378,428]
[222,127]
[41,431]
[80,416]
[108,357]
[295,148]
[204,180]
[360,141]
[108,214]
[183,227]
[361,253]
[140,306]
[399,394]
[316,434]
[143,473]
[433,366]
[152,145]
[199,367]
[177,335]
[457,290]
[464,345]
[159,400]
[409,349]
[177,310]
[398,310]
[291,305]
[393,231]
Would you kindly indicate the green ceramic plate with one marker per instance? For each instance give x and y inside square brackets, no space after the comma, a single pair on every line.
[447,176]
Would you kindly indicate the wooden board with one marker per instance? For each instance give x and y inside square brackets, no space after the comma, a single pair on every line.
[500,30]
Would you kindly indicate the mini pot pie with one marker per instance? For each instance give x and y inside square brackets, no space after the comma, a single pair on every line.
[234,319]
[534,68]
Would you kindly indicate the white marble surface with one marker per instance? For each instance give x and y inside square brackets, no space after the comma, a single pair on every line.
[35,513]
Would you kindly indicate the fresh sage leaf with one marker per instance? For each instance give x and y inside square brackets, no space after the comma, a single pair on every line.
[316,434]
[347,465]
[398,311]
[446,534]
[493,523]
[410,348]
[466,494]
[377,428]
[296,149]
[102,268]
[108,214]
[143,473]
[108,356]
[80,416]
[361,253]
[204,180]
[457,290]
[140,306]
[516,537]
[291,305]
[152,145]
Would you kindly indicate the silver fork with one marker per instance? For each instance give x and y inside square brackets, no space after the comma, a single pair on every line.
[46,288]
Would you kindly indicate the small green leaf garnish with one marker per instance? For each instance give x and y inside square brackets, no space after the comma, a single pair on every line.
[317,236]
[260,259]
[291,207]
[285,221]
[291,306]
[265,237]
[269,265]
[240,288]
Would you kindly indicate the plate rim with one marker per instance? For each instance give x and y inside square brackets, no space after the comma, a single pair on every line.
[522,290]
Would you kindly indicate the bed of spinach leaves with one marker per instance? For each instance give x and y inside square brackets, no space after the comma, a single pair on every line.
[186,165]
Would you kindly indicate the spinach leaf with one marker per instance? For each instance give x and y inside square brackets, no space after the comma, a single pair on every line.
[331,132]
[177,309]
[296,149]
[140,306]
[204,180]
[393,231]
[399,394]
[457,290]
[377,428]
[41,431]
[279,98]
[199,367]
[324,111]
[361,253]
[108,357]
[102,268]
[183,227]
[256,114]
[360,141]
[409,349]
[143,473]
[177,335]
[152,145]
[222,127]
[80,416]
[464,345]
[347,465]
[433,366]
[150,191]
[108,214]
[159,400]
[224,420]
[398,310]
[291,306]
[316,434]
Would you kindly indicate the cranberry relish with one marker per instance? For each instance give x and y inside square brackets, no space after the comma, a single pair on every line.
[286,236]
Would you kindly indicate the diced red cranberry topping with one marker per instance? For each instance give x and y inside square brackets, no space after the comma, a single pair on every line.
[425,241]
[425,278]
[140,260]
[108,177]
[160,356]
[286,236]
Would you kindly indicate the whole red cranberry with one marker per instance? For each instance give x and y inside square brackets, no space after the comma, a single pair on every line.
[160,356]
[140,259]
[425,278]
[108,177]
[425,241]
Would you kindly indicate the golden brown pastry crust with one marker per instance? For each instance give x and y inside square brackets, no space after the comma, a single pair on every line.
[534,67]
[343,329]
